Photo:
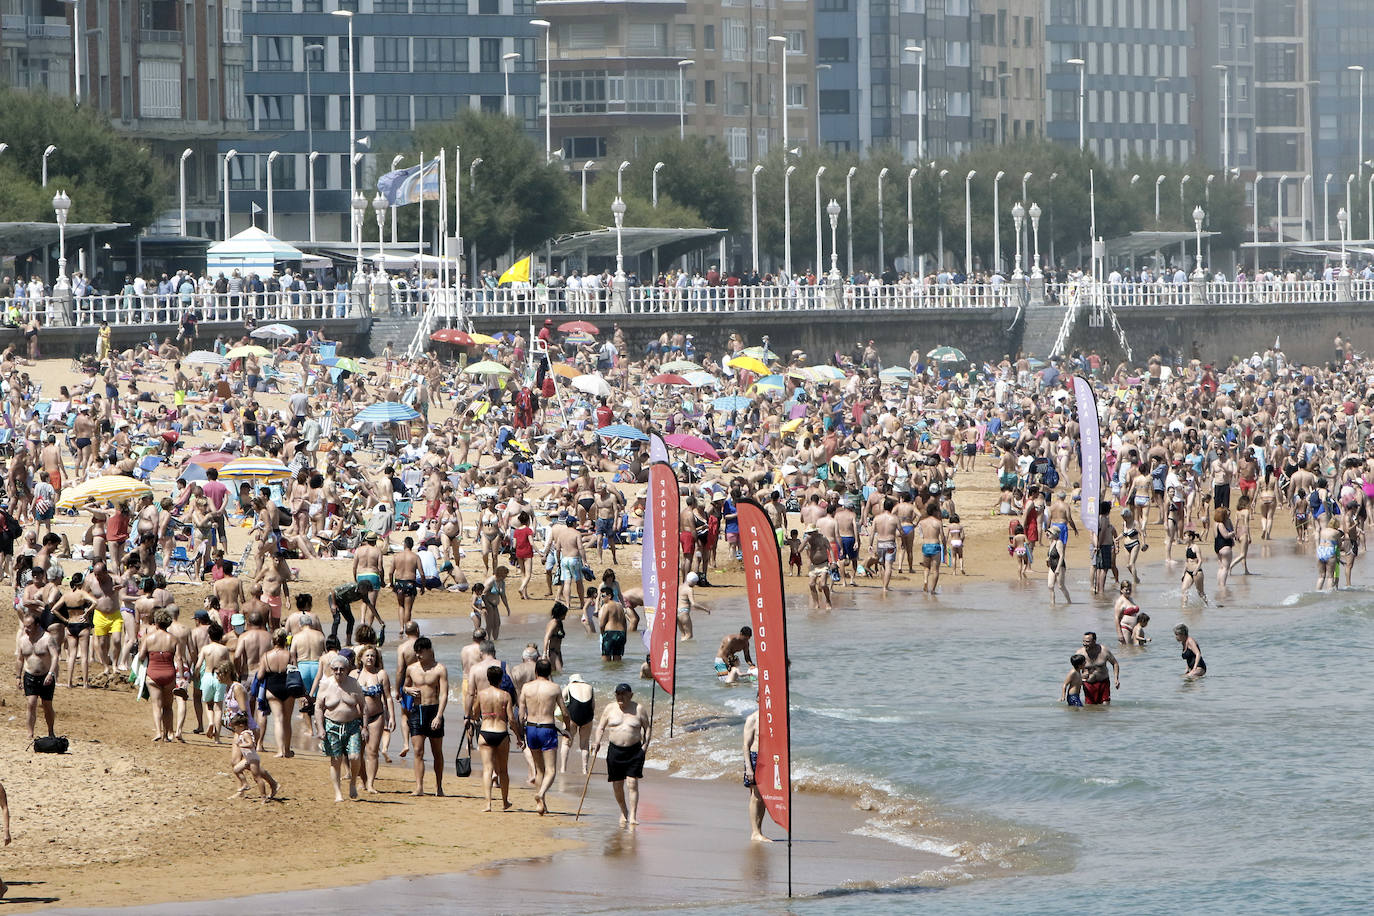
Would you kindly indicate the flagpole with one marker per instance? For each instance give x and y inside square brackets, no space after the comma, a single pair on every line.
[420,232]
[443,217]
[458,226]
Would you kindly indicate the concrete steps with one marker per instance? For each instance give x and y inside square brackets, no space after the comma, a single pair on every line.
[1041,328]
[399,329]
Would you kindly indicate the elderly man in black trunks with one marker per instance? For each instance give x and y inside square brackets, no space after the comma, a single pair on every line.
[627,729]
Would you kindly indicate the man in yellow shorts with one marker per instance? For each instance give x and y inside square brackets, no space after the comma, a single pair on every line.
[109,622]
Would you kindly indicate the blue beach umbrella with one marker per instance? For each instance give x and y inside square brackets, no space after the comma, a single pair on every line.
[623,431]
[732,402]
[386,412]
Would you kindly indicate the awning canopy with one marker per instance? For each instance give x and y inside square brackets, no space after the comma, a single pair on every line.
[253,251]
[1142,243]
[20,237]
[634,241]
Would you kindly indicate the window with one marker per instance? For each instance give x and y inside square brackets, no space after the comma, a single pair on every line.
[430,108]
[987,24]
[391,55]
[587,36]
[1224,35]
[317,6]
[233,25]
[312,60]
[583,148]
[959,104]
[1242,88]
[956,53]
[393,112]
[283,172]
[273,6]
[708,90]
[796,95]
[235,102]
[489,55]
[274,53]
[708,37]
[1030,31]
[316,106]
[1328,127]
[491,104]
[489,7]
[243,172]
[579,91]
[736,35]
[647,36]
[737,144]
[650,92]
[796,41]
[1242,35]
[684,38]
[832,50]
[956,7]
[274,112]
[834,101]
[357,60]
[832,6]
[321,170]
[159,83]
[351,6]
[441,7]
[441,55]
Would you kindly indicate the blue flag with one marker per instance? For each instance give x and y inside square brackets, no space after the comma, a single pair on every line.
[407,186]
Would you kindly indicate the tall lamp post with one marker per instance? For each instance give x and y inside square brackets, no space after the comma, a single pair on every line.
[352,119]
[1359,163]
[506,60]
[1035,234]
[940,214]
[310,187]
[359,213]
[820,254]
[62,290]
[682,66]
[787,221]
[586,167]
[781,40]
[395,162]
[1225,72]
[1198,216]
[849,218]
[968,226]
[658,167]
[820,68]
[46,153]
[1018,216]
[618,211]
[379,211]
[620,171]
[228,157]
[1343,221]
[1082,66]
[1022,239]
[181,186]
[1326,207]
[832,210]
[271,224]
[882,247]
[754,214]
[997,222]
[548,90]
[309,51]
[920,53]
[910,231]
[472,189]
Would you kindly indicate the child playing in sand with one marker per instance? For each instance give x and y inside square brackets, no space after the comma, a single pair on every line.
[1016,546]
[956,545]
[794,557]
[1072,690]
[245,757]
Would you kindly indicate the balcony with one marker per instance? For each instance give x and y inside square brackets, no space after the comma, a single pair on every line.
[39,29]
[167,36]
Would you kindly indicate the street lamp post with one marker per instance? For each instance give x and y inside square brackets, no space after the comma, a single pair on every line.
[940,215]
[849,219]
[586,166]
[505,71]
[271,224]
[782,40]
[754,214]
[619,289]
[1160,83]
[832,210]
[1343,221]
[472,189]
[1082,66]
[820,254]
[1359,163]
[309,52]
[1283,179]
[658,167]
[360,288]
[920,53]
[379,211]
[1326,207]
[882,248]
[787,221]
[618,173]
[1349,209]
[682,66]
[1225,72]
[997,222]
[1050,189]
[910,231]
[395,162]
[1198,216]
[1023,239]
[310,188]
[968,226]
[548,92]
[1018,216]
[181,186]
[1035,234]
[228,157]
[46,153]
[352,118]
[1158,181]
[62,290]
[820,68]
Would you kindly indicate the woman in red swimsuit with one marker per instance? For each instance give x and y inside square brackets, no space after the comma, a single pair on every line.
[523,536]
[159,652]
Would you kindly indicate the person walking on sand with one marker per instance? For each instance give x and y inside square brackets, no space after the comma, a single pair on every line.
[539,699]
[1097,689]
[495,712]
[818,574]
[36,669]
[5,818]
[883,541]
[339,722]
[426,683]
[931,530]
[626,727]
[751,760]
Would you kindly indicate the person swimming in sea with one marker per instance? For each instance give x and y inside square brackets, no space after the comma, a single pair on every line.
[1071,691]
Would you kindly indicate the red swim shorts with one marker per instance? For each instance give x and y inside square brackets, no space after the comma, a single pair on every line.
[1097,692]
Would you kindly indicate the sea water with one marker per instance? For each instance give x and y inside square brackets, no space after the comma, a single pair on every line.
[1242,792]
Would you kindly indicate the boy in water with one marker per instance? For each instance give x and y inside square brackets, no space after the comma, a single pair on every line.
[1071,691]
[1138,637]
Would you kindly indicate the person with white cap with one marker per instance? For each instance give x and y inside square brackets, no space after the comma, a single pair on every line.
[686,603]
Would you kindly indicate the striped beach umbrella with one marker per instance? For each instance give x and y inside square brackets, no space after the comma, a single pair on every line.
[211,459]
[386,412]
[487,367]
[252,468]
[110,488]
[204,358]
[276,332]
[623,431]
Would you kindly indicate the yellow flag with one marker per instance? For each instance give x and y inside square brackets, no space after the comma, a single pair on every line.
[519,272]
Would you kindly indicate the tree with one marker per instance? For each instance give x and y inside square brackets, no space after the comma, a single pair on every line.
[109,178]
[696,173]
[515,198]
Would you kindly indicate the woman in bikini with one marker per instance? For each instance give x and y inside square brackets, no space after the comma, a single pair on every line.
[1132,541]
[1125,612]
[1268,501]
[489,530]
[1192,569]
[1241,523]
[163,655]
[554,634]
[497,714]
[377,711]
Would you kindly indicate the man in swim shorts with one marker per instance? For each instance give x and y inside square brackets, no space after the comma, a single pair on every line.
[367,562]
[539,700]
[818,555]
[625,725]
[339,721]
[751,755]
[1097,689]
[731,645]
[883,540]
[932,533]
[611,620]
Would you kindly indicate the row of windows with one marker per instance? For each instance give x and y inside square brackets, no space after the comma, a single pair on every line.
[393,54]
[436,7]
[391,112]
[1128,14]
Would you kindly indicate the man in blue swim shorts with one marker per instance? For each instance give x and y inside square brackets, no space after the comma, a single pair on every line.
[539,700]
[932,533]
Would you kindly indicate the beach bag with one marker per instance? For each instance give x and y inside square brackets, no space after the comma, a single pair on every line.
[50,745]
[295,684]
[462,764]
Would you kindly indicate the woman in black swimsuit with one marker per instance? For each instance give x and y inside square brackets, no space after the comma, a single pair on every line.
[580,700]
[553,636]
[1223,540]
[497,712]
[272,671]
[1192,653]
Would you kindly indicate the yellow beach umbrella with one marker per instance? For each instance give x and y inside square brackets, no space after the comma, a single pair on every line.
[748,364]
[110,488]
[250,350]
[565,370]
[482,338]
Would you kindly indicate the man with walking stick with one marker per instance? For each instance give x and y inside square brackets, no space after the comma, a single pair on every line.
[628,730]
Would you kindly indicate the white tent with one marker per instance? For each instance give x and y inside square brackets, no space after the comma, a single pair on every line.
[254,251]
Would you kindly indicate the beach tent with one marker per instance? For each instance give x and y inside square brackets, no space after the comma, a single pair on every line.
[254,251]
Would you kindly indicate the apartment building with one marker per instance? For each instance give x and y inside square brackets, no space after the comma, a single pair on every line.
[1011,68]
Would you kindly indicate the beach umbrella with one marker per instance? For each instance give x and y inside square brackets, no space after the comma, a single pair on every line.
[574,327]
[205,358]
[594,385]
[769,383]
[694,445]
[110,488]
[386,412]
[623,431]
[894,374]
[801,373]
[253,468]
[566,370]
[193,473]
[758,353]
[668,378]
[732,402]
[453,336]
[343,363]
[947,355]
[680,365]
[748,364]
[580,338]
[211,459]
[702,379]
[276,332]
[828,373]
[249,350]
[487,367]
[483,339]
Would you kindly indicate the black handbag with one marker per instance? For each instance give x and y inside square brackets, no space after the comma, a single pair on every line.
[462,764]
[50,745]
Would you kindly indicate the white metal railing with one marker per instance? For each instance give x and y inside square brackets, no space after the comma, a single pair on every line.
[122,310]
